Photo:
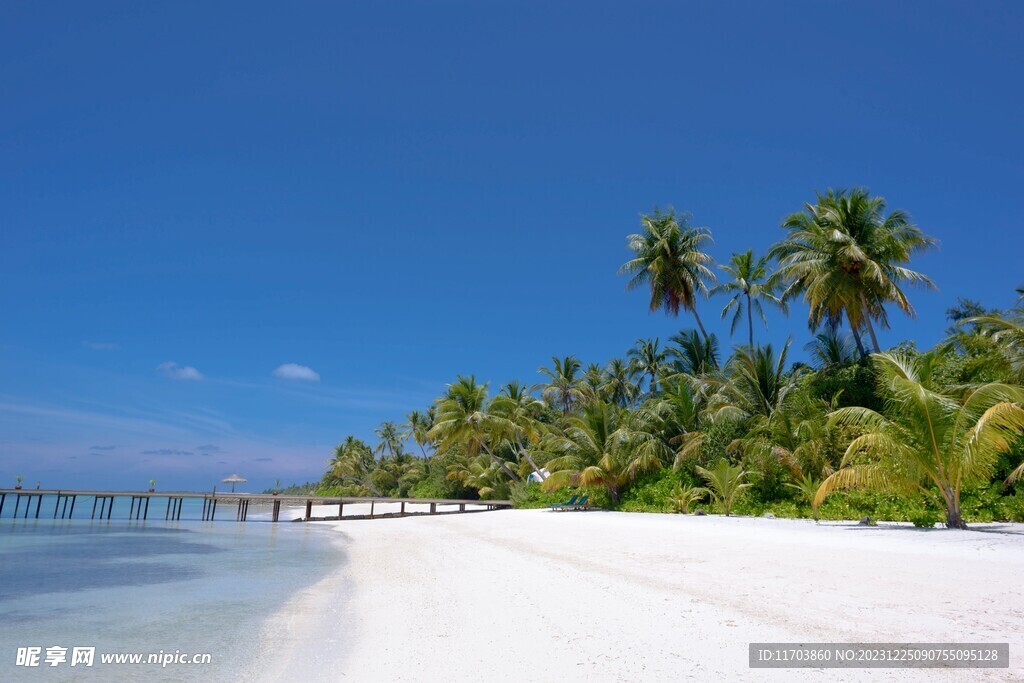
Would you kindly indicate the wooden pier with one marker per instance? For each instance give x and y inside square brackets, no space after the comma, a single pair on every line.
[138,504]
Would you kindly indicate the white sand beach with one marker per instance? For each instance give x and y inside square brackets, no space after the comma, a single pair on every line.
[604,596]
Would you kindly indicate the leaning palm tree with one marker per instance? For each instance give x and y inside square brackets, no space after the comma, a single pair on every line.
[603,447]
[462,421]
[926,441]
[844,256]
[516,416]
[566,388]
[649,359]
[668,258]
[751,287]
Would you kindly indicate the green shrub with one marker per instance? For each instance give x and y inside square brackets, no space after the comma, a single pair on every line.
[526,495]
[856,381]
[651,493]
[925,517]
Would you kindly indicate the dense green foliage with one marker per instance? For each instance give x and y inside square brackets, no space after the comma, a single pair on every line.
[905,435]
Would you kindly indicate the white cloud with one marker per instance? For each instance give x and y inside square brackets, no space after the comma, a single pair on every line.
[175,371]
[101,346]
[293,371]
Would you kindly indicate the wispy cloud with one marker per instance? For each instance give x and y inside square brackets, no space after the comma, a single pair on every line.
[208,449]
[262,459]
[294,371]
[166,451]
[102,448]
[100,346]
[175,371]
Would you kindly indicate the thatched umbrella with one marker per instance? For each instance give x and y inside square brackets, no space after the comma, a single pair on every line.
[233,479]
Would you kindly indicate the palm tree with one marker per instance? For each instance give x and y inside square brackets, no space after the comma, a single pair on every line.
[1006,330]
[830,348]
[844,256]
[725,483]
[462,421]
[926,441]
[592,381]
[649,358]
[667,257]
[566,388]
[353,460]
[601,447]
[416,426]
[619,387]
[517,416]
[757,383]
[391,437]
[678,409]
[693,355]
[750,287]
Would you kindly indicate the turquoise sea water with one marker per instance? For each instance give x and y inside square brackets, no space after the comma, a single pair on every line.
[126,586]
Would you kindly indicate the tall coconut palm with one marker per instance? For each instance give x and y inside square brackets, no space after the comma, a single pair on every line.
[751,288]
[566,388]
[649,359]
[391,438]
[668,258]
[926,440]
[619,387]
[462,421]
[416,426]
[844,256]
[601,447]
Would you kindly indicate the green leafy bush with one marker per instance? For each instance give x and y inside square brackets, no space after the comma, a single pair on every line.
[856,381]
[529,495]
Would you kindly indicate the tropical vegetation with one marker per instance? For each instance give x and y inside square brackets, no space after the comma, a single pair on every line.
[686,425]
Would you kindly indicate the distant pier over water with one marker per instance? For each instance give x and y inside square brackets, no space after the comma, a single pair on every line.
[36,503]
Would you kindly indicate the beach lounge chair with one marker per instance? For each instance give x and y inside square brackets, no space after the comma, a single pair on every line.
[570,502]
[581,504]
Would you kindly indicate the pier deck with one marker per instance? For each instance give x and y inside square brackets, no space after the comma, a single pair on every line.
[139,503]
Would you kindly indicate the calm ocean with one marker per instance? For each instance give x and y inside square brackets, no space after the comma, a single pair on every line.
[144,587]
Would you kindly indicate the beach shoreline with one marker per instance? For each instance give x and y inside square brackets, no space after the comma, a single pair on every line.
[536,595]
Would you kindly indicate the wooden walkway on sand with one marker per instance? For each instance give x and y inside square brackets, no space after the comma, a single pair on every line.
[64,504]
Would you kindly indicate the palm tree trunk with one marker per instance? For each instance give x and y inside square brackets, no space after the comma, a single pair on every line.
[954,518]
[696,316]
[856,337]
[526,454]
[501,463]
[871,327]
[750,322]
[369,483]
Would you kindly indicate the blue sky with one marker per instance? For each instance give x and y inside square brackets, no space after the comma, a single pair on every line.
[193,195]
